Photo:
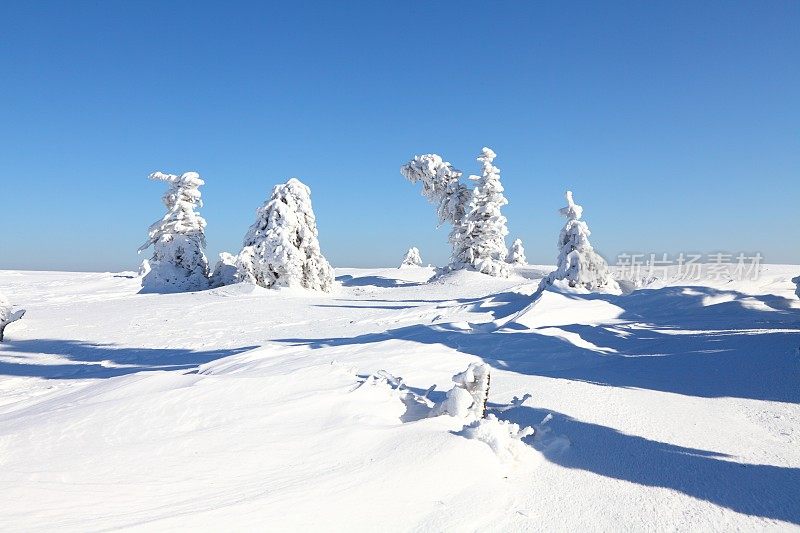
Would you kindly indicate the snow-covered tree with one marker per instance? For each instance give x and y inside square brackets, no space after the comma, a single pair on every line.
[578,264]
[179,262]
[797,282]
[225,271]
[7,314]
[479,240]
[441,185]
[412,258]
[281,248]
[516,256]
[469,396]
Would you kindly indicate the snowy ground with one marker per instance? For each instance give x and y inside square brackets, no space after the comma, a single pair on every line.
[674,407]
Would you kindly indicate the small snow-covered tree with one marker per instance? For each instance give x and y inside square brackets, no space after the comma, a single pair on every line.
[578,264]
[516,255]
[225,271]
[479,240]
[179,262]
[7,314]
[281,248]
[469,396]
[412,258]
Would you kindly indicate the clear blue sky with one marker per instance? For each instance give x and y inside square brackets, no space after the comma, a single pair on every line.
[677,124]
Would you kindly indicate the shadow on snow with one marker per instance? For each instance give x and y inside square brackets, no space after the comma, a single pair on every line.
[694,341]
[87,360]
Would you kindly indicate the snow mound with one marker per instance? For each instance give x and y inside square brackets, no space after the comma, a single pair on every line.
[559,309]
[503,437]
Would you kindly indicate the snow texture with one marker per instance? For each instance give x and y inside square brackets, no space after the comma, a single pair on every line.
[502,436]
[179,262]
[672,408]
[579,266]
[516,256]
[412,258]
[479,239]
[7,314]
[281,248]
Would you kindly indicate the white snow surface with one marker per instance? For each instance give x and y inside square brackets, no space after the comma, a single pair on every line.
[674,407]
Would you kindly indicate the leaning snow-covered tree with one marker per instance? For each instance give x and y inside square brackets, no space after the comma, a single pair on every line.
[412,258]
[441,185]
[7,314]
[179,262]
[516,255]
[281,249]
[578,264]
[479,240]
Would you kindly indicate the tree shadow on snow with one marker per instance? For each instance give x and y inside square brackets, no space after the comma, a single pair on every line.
[755,489]
[89,360]
[669,339]
[375,281]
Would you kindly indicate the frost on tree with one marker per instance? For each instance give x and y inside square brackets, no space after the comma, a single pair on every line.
[281,248]
[516,256]
[7,314]
[179,262]
[412,258]
[479,240]
[441,185]
[469,396]
[578,264]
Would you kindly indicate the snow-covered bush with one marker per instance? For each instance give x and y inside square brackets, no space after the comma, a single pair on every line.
[281,248]
[469,396]
[479,240]
[578,264]
[7,314]
[412,258]
[179,262]
[516,256]
[225,271]
[502,436]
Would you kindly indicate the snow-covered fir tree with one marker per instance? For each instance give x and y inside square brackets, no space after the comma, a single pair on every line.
[516,256]
[441,185]
[179,262]
[412,258]
[578,264]
[281,248]
[8,314]
[479,239]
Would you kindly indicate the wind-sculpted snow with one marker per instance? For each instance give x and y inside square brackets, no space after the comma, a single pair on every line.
[673,407]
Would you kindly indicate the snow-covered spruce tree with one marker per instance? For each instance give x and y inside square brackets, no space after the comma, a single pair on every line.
[479,240]
[578,264]
[179,262]
[441,185]
[7,314]
[412,258]
[516,256]
[281,249]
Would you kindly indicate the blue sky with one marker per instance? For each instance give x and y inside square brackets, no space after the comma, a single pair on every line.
[676,124]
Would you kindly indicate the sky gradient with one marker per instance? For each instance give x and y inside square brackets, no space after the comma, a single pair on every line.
[676,124]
